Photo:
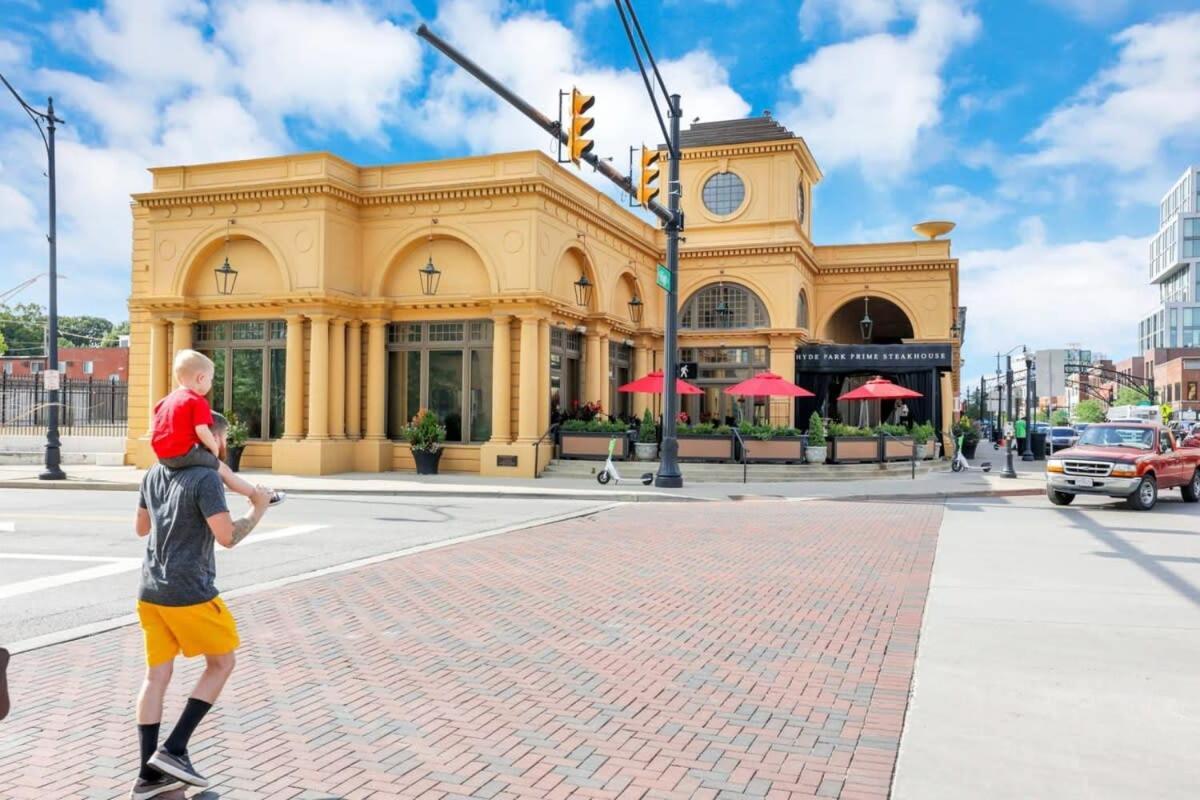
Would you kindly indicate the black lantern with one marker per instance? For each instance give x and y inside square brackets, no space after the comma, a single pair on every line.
[866,324]
[723,309]
[226,275]
[636,306]
[583,291]
[431,276]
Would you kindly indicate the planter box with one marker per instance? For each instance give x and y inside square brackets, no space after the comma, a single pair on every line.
[898,449]
[705,448]
[779,450]
[853,449]
[592,446]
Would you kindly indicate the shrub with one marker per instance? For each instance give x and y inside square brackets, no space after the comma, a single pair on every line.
[237,434]
[922,433]
[840,429]
[646,433]
[425,432]
[816,430]
[891,430]
[966,428]
[593,426]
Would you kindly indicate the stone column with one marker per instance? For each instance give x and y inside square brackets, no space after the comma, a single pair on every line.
[337,379]
[502,379]
[605,369]
[293,401]
[318,378]
[158,368]
[591,359]
[641,358]
[543,388]
[527,422]
[377,379]
[182,334]
[354,380]
[782,410]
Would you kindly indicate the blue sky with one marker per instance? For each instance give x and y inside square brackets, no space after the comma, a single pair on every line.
[1047,129]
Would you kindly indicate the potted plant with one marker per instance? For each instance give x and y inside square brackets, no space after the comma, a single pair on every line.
[816,450]
[236,436]
[647,443]
[425,434]
[769,444]
[588,439]
[848,444]
[921,434]
[705,442]
[970,436]
[895,442]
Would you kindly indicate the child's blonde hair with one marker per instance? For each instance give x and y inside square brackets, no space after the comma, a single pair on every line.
[189,362]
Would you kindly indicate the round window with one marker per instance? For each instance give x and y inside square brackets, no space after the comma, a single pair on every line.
[724,193]
[800,202]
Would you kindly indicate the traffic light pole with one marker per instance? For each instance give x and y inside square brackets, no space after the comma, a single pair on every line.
[669,476]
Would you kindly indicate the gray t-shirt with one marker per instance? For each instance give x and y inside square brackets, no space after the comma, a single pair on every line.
[180,568]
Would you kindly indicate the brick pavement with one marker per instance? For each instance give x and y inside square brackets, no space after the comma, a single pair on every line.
[652,651]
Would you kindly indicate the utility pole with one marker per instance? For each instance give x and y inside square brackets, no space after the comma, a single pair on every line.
[53,471]
[668,475]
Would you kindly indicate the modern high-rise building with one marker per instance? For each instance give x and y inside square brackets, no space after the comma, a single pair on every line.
[1175,268]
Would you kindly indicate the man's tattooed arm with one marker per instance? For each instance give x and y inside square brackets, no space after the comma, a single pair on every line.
[243,525]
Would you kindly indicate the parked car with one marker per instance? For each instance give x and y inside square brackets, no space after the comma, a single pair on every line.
[1062,436]
[1133,460]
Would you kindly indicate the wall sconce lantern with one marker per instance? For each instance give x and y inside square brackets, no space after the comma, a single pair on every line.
[583,291]
[866,324]
[225,274]
[636,307]
[722,308]
[431,276]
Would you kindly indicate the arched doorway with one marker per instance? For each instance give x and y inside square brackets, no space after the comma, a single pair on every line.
[888,322]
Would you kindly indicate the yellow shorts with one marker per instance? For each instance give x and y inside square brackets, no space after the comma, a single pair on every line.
[203,629]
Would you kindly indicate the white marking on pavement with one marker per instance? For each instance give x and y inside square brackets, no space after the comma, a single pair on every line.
[282,533]
[112,566]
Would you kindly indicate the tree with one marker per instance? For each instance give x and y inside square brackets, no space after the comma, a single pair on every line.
[1089,411]
[1129,396]
[1060,417]
[113,337]
[23,326]
[3,344]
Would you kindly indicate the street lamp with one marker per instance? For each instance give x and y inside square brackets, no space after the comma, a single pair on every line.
[583,291]
[636,308]
[53,471]
[431,276]
[866,324]
[1028,454]
[226,275]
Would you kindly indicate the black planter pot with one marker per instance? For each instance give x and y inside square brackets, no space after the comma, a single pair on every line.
[427,462]
[968,448]
[233,457]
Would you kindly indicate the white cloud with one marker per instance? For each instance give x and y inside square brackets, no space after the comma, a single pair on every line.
[1045,295]
[870,101]
[969,211]
[16,211]
[1129,115]
[851,16]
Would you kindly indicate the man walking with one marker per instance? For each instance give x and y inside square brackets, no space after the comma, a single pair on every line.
[183,511]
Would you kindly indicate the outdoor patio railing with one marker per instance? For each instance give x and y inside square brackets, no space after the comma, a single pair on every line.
[86,407]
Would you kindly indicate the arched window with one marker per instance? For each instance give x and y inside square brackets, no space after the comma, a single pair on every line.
[723,305]
[802,310]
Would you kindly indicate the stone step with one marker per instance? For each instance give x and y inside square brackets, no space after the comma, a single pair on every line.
[67,457]
[756,473]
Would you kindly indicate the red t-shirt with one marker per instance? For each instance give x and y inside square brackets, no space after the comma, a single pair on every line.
[175,419]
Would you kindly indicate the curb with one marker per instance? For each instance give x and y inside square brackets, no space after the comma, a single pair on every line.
[487,494]
[869,498]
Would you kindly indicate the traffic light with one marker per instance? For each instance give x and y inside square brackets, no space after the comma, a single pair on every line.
[576,144]
[646,190]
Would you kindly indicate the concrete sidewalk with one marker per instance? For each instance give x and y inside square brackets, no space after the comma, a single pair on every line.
[934,485]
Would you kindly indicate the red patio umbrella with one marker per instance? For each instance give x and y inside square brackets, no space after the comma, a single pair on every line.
[653,384]
[879,388]
[768,384]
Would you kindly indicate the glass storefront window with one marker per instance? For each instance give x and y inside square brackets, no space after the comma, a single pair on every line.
[250,371]
[445,367]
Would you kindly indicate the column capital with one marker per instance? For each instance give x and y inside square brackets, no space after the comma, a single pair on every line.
[338,321]
[319,316]
[293,316]
[355,323]
[377,323]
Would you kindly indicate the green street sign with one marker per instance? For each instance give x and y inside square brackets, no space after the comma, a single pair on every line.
[664,278]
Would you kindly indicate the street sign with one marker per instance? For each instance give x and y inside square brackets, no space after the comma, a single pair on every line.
[664,278]
[687,370]
[50,380]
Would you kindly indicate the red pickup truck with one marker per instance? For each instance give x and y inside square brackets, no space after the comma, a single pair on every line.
[1124,459]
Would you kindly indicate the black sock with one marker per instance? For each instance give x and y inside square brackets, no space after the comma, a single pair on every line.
[148,736]
[176,744]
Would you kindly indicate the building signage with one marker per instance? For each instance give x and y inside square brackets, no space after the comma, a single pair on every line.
[664,277]
[862,357]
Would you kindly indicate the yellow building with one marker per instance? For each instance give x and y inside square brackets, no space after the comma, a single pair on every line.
[327,340]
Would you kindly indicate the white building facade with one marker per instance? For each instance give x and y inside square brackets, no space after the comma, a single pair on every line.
[1175,268]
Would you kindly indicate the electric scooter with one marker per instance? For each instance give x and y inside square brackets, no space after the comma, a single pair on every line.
[609,471]
[960,463]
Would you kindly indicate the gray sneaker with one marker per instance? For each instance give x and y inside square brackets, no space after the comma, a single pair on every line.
[277,498]
[145,789]
[177,767]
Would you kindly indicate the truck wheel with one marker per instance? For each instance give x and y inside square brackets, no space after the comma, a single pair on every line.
[1145,495]
[1191,490]
[1059,498]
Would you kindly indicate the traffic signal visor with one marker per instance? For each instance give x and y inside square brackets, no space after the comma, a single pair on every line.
[580,104]
[647,191]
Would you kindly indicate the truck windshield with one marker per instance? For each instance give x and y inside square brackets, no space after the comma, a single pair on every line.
[1141,438]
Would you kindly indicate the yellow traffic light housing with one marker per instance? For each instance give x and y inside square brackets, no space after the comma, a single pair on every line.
[578,146]
[646,190]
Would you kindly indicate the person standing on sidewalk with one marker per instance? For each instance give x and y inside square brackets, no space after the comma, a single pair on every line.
[183,511]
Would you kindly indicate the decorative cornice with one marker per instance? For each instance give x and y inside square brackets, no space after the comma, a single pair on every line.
[896,266]
[721,151]
[738,251]
[175,199]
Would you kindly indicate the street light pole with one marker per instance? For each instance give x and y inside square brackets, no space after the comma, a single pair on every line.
[53,471]
[1009,470]
[1028,454]
[669,475]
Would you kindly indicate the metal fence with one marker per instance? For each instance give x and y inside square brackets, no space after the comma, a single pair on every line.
[86,407]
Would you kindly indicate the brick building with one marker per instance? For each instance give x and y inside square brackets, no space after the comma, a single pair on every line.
[77,363]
